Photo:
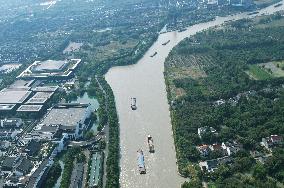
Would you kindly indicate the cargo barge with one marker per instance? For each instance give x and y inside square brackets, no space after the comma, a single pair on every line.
[150,144]
[165,43]
[252,13]
[133,104]
[153,54]
[141,163]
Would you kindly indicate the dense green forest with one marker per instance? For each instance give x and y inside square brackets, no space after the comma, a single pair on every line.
[211,66]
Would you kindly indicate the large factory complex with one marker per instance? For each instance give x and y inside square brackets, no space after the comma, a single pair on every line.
[50,69]
[26,94]
[29,145]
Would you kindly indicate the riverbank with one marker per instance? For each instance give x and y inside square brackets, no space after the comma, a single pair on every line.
[208,84]
[145,81]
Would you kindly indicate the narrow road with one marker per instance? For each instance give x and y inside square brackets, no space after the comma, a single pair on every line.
[25,130]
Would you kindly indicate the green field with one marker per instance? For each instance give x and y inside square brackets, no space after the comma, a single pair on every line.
[258,73]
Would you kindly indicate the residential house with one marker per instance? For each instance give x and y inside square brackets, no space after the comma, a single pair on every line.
[216,147]
[11,123]
[24,167]
[276,139]
[39,175]
[8,134]
[231,147]
[44,132]
[33,148]
[13,181]
[203,149]
[209,165]
[262,159]
[202,130]
[271,141]
[4,145]
[224,160]
[8,164]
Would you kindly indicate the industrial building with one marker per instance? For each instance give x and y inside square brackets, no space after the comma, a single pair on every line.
[45,89]
[22,96]
[13,96]
[40,98]
[49,66]
[50,69]
[70,117]
[30,108]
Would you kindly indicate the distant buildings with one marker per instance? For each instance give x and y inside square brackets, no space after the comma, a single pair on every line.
[223,2]
[212,4]
[50,69]
[232,147]
[241,3]
[202,130]
[23,97]
[24,167]
[211,165]
[11,123]
[215,147]
[45,132]
[228,148]
[28,159]
[203,150]
[9,128]
[221,153]
[32,148]
[271,141]
[16,165]
[36,179]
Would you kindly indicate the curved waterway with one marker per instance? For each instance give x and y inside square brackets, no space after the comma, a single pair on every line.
[145,81]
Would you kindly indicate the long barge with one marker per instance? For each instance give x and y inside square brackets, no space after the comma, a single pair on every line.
[141,163]
[153,54]
[151,144]
[165,43]
[278,5]
[133,103]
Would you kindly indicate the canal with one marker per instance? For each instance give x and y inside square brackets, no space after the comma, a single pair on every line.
[94,105]
[145,81]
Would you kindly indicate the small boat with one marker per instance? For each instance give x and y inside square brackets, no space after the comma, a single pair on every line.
[252,13]
[278,5]
[154,54]
[141,163]
[181,30]
[150,144]
[165,43]
[133,104]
